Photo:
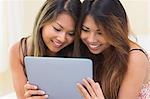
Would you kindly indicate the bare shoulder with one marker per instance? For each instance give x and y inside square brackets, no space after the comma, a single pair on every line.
[17,49]
[14,50]
[14,47]
[15,56]
[137,58]
[17,71]
[136,74]
[138,64]
[138,61]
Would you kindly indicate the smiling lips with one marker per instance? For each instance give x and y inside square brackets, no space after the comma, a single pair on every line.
[94,46]
[57,43]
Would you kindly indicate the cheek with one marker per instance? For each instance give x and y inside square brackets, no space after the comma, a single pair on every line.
[70,40]
[82,36]
[49,31]
[103,40]
[47,34]
[43,34]
[107,45]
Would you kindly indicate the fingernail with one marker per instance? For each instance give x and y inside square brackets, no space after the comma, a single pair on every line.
[83,80]
[42,92]
[78,84]
[46,96]
[90,79]
[35,87]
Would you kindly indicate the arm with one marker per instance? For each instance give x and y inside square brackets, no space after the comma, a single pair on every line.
[19,78]
[23,89]
[132,82]
[135,76]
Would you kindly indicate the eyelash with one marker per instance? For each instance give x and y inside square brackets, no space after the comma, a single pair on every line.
[99,33]
[71,34]
[58,30]
[85,30]
[88,31]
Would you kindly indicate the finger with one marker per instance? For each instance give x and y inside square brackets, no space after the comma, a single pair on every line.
[94,86]
[99,90]
[29,87]
[89,88]
[83,91]
[30,93]
[79,88]
[38,97]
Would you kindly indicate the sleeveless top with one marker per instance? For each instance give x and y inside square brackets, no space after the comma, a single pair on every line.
[23,49]
[145,90]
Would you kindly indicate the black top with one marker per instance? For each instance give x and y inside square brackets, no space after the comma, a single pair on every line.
[23,48]
[141,51]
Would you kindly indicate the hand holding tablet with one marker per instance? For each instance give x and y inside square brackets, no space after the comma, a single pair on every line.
[58,76]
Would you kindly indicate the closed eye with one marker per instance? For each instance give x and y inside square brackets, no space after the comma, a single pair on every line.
[71,33]
[85,30]
[99,33]
[56,29]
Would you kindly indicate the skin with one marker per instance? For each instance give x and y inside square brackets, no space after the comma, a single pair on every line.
[92,87]
[137,72]
[56,35]
[93,36]
[59,33]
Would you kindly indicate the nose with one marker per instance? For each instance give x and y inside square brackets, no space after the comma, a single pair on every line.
[91,38]
[62,37]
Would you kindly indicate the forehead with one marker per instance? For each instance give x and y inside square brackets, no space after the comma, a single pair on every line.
[90,22]
[64,19]
[64,16]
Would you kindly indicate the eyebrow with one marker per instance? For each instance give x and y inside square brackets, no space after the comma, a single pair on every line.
[59,25]
[89,28]
[62,26]
[86,27]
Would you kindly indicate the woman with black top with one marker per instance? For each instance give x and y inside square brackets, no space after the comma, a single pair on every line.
[121,67]
[53,35]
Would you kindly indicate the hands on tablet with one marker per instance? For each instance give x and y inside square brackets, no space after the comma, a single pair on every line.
[32,92]
[90,89]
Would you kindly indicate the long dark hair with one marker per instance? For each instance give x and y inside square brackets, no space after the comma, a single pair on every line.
[48,13]
[109,68]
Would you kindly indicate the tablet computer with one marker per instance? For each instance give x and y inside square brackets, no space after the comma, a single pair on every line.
[58,76]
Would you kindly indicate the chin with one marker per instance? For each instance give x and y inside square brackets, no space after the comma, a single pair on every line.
[95,52]
[56,51]
[53,50]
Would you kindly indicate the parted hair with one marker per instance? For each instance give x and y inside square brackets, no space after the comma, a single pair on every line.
[48,13]
[109,68]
